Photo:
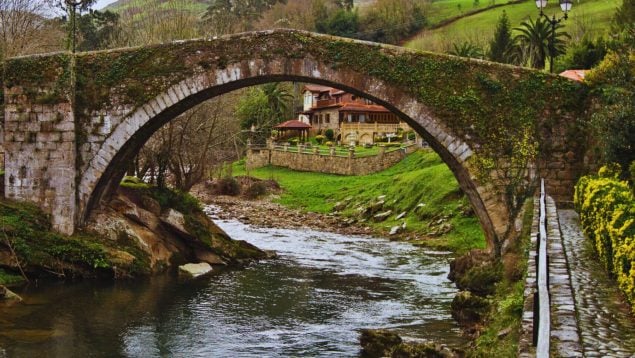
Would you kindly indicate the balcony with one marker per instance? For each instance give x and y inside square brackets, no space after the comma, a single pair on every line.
[324,103]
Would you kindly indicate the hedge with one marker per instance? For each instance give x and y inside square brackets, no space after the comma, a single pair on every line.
[607,214]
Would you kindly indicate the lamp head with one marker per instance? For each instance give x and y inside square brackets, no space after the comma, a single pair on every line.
[566,5]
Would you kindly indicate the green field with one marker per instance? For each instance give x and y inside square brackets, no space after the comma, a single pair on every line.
[590,16]
[421,185]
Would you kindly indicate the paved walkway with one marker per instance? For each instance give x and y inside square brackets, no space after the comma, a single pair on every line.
[606,324]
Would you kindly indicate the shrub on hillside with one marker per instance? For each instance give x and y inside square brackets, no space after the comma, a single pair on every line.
[319,139]
[607,214]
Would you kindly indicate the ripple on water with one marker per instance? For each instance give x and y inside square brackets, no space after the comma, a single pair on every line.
[310,302]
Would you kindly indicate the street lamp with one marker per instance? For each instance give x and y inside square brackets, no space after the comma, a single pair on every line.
[73,4]
[565,6]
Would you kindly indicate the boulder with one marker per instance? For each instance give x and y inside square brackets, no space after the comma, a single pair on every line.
[8,295]
[395,230]
[468,309]
[382,216]
[378,342]
[195,270]
[175,221]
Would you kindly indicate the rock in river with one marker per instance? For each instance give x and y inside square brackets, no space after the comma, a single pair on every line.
[195,270]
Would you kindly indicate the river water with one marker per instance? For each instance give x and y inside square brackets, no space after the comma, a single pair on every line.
[310,301]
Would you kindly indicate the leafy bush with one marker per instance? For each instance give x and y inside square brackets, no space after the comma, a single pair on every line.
[256,190]
[412,136]
[319,139]
[330,135]
[228,186]
[293,141]
[329,144]
[607,215]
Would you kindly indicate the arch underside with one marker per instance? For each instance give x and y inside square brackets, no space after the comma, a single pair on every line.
[105,170]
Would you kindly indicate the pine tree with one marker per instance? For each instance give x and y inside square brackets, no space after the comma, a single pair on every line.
[501,45]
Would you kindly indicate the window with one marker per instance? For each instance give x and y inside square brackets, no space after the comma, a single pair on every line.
[362,118]
[327,118]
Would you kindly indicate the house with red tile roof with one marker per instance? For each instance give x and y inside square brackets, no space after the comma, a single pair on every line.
[352,118]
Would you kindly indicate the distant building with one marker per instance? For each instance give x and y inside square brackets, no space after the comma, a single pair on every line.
[352,118]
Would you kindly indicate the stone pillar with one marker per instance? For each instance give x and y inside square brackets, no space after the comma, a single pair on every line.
[41,151]
[382,150]
[351,152]
[285,147]
[316,150]
[269,143]
[300,148]
[40,139]
[332,151]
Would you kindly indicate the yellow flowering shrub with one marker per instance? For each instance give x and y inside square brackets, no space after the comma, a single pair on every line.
[607,214]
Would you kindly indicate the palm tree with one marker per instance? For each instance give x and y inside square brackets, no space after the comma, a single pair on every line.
[534,41]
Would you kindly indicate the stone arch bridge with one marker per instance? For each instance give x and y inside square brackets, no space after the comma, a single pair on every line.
[71,123]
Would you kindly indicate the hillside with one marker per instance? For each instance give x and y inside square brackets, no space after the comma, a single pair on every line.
[198,6]
[591,16]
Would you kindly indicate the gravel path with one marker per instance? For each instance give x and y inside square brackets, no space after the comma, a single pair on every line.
[606,324]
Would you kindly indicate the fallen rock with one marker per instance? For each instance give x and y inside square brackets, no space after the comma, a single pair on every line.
[195,270]
[382,216]
[378,342]
[400,216]
[395,230]
[8,295]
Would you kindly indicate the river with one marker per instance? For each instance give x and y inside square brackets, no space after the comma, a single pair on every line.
[310,301]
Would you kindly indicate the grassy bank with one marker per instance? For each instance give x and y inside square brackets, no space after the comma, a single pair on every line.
[592,16]
[437,213]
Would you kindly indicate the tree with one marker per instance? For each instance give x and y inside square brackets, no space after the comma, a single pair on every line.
[72,8]
[501,46]
[171,21]
[24,27]
[583,55]
[390,21]
[184,150]
[262,108]
[229,16]
[341,22]
[96,29]
[534,42]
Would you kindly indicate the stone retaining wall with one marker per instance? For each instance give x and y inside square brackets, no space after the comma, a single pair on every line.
[330,164]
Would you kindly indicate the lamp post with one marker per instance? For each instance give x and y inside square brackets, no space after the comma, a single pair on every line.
[565,6]
[73,4]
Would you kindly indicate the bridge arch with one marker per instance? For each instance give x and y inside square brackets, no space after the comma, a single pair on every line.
[105,169]
[70,121]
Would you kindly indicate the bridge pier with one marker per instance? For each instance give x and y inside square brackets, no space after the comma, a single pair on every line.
[40,151]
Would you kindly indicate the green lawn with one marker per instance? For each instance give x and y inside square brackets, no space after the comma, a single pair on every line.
[440,10]
[421,185]
[591,16]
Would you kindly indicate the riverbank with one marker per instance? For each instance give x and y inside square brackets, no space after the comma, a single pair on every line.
[417,200]
[142,230]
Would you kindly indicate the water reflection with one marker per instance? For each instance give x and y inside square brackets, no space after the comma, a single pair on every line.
[309,302]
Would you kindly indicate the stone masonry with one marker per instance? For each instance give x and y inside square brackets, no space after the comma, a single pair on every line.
[331,164]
